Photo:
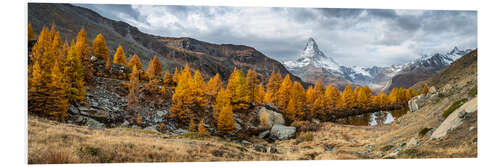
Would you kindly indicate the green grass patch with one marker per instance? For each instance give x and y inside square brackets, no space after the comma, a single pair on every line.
[387,148]
[307,147]
[472,92]
[412,153]
[453,107]
[304,137]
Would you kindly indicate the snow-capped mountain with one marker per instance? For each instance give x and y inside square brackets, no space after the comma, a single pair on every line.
[312,56]
[313,64]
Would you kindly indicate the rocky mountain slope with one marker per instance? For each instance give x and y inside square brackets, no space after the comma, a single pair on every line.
[313,64]
[172,52]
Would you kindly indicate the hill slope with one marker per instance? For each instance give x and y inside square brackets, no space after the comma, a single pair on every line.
[172,52]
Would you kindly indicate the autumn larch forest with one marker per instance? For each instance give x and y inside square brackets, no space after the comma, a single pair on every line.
[58,73]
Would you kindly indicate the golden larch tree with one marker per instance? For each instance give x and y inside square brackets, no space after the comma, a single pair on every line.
[57,103]
[212,87]
[284,93]
[74,75]
[252,82]
[221,100]
[133,91]
[100,48]
[119,57]
[135,61]
[260,94]
[154,68]
[201,129]
[238,90]
[225,121]
[272,86]
[348,97]
[168,79]
[31,33]
[192,126]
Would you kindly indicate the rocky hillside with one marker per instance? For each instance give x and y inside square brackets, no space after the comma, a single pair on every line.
[423,68]
[172,52]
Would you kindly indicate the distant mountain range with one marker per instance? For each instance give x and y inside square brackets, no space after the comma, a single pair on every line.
[172,52]
[313,64]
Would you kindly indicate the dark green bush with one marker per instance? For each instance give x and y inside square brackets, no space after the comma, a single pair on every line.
[387,148]
[453,107]
[424,131]
[473,92]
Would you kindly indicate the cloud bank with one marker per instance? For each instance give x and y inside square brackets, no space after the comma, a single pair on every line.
[362,37]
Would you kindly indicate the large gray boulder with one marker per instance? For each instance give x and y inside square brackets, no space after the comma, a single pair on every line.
[455,119]
[282,132]
[273,117]
[416,102]
[93,124]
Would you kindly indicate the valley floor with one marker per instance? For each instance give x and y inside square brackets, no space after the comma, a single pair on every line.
[53,142]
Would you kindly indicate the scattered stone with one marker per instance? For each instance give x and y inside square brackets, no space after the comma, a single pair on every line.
[73,110]
[152,128]
[125,124]
[93,58]
[472,128]
[281,132]
[429,133]
[328,148]
[244,142]
[273,149]
[93,124]
[416,102]
[463,115]
[180,131]
[395,152]
[80,119]
[264,134]
[315,121]
[432,90]
[413,142]
[217,153]
[259,148]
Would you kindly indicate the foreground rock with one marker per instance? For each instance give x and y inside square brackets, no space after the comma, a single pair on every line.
[273,117]
[455,119]
[416,102]
[281,132]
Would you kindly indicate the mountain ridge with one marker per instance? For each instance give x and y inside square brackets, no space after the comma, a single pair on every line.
[173,52]
[313,64]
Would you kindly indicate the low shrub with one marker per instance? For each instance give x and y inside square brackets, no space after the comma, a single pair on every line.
[453,107]
[387,148]
[473,92]
[424,131]
[304,126]
[303,137]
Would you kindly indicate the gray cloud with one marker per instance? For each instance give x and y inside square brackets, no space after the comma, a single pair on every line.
[363,37]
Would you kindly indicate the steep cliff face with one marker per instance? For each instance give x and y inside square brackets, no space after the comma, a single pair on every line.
[172,52]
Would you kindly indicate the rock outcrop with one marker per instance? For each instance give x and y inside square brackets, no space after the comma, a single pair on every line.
[455,119]
[282,132]
[273,117]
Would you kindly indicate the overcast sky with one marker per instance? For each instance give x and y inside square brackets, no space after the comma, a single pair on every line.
[362,37]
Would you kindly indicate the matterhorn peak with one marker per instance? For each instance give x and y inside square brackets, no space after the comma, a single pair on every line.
[313,56]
